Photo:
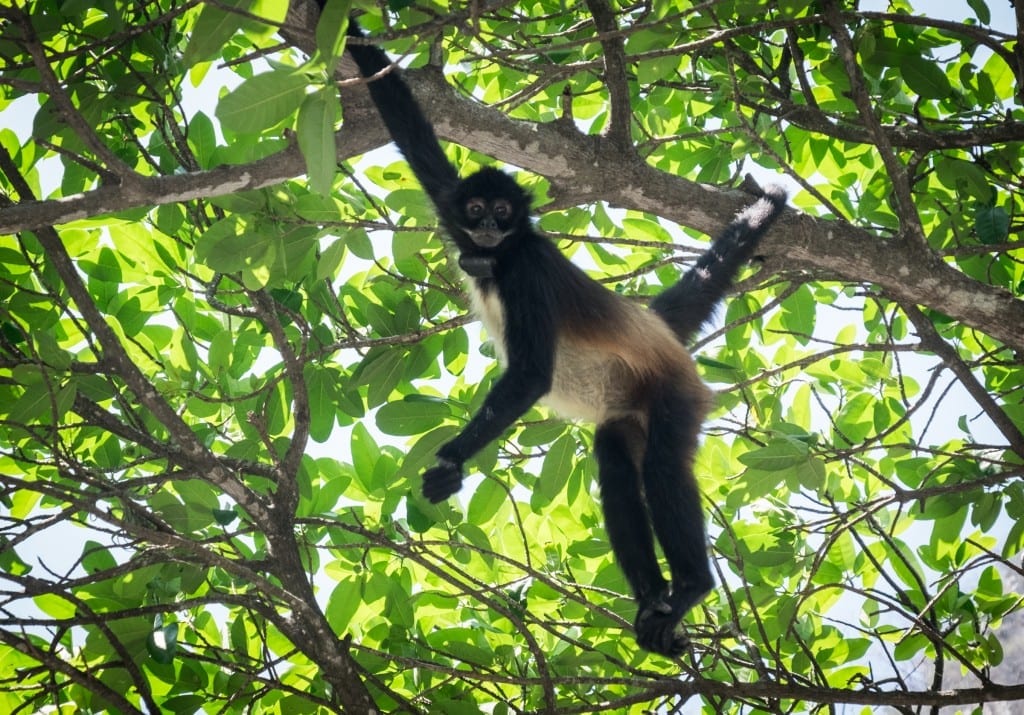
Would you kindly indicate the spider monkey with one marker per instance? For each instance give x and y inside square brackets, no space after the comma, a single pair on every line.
[586,352]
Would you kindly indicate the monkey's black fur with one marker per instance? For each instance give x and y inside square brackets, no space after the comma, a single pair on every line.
[587,352]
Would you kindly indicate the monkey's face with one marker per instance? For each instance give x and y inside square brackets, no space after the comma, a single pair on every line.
[488,222]
[491,207]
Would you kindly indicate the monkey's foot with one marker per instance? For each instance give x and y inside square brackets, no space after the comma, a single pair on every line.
[658,617]
[657,628]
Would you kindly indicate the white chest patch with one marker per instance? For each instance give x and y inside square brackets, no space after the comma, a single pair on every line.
[487,306]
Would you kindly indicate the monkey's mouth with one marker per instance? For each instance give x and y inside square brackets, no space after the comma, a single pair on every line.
[488,237]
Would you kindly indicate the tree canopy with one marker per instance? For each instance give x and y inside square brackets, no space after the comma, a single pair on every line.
[231,340]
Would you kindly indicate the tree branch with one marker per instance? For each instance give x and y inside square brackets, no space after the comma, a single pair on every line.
[911,222]
[931,340]
[189,449]
[619,129]
[583,168]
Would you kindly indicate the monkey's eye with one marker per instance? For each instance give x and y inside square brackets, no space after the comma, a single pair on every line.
[502,208]
[475,208]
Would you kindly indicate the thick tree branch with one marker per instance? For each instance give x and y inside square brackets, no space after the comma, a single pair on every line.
[159,190]
[585,168]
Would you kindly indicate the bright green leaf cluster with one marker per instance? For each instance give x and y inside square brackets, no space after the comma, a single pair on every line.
[214,411]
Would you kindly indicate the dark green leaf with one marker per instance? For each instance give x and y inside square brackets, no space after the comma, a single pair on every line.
[924,76]
[992,224]
[162,643]
[96,557]
[981,10]
[224,516]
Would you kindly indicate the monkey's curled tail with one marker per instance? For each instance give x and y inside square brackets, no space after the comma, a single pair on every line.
[688,304]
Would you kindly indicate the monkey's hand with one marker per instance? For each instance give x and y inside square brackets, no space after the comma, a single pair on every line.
[658,616]
[442,481]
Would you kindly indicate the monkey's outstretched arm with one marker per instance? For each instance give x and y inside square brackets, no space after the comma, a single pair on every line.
[529,339]
[406,123]
[512,395]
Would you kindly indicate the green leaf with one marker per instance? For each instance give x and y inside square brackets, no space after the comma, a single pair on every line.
[55,606]
[924,76]
[411,416]
[365,455]
[225,516]
[262,101]
[777,455]
[96,557]
[538,433]
[798,313]
[359,243]
[966,177]
[992,224]
[330,31]
[330,260]
[981,10]
[32,406]
[225,246]
[212,30]
[856,419]
[343,603]
[317,116]
[754,484]
[555,472]
[11,563]
[162,642]
[885,51]
[422,454]
[220,351]
[646,229]
[186,704]
[322,388]
[202,138]
[657,69]
[486,501]
[382,371]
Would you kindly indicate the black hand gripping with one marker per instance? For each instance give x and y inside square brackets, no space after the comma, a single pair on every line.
[442,481]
